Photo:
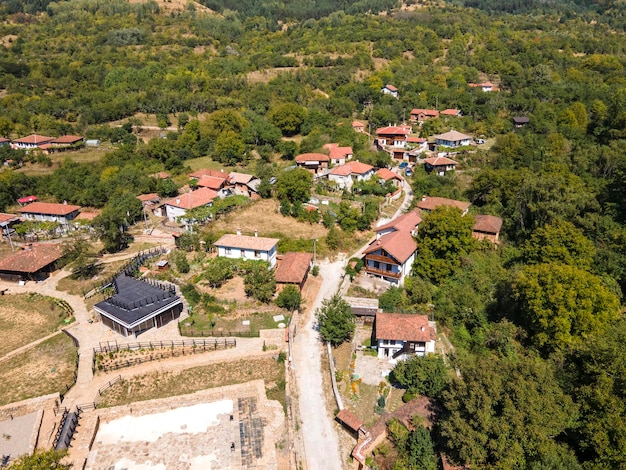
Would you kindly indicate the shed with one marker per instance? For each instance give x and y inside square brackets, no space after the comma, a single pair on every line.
[362,306]
[92,143]
[352,422]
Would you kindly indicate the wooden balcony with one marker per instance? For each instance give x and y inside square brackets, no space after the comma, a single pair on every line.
[380,259]
[382,272]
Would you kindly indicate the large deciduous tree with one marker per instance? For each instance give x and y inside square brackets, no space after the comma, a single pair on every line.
[288,117]
[294,185]
[260,283]
[426,375]
[560,305]
[336,321]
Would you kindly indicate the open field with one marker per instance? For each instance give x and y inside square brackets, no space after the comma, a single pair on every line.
[46,368]
[169,384]
[25,318]
[263,216]
[84,155]
[80,286]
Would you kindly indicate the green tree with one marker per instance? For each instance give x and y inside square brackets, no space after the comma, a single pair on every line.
[505,414]
[288,117]
[41,460]
[561,305]
[426,375]
[444,237]
[290,298]
[420,450]
[180,261]
[333,238]
[260,283]
[218,271]
[229,148]
[336,321]
[391,300]
[294,185]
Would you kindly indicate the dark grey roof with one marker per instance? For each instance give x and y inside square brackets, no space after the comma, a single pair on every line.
[136,301]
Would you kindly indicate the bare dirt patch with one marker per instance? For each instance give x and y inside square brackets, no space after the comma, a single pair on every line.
[7,40]
[263,216]
[264,76]
[168,384]
[176,5]
[47,368]
[25,318]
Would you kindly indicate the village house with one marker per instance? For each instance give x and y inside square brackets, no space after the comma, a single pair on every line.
[34,262]
[316,163]
[246,247]
[392,136]
[176,208]
[385,175]
[520,121]
[422,115]
[63,143]
[138,305]
[31,141]
[453,139]
[451,112]
[486,87]
[429,203]
[6,220]
[244,184]
[389,90]
[400,336]
[439,165]
[358,126]
[50,212]
[5,141]
[338,155]
[346,175]
[293,268]
[391,255]
[487,227]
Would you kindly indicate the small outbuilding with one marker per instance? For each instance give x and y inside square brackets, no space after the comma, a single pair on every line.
[293,268]
[352,422]
[138,306]
[34,262]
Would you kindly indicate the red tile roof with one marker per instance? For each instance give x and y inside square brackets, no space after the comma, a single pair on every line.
[427,112]
[440,161]
[199,197]
[148,197]
[399,244]
[416,140]
[161,175]
[208,172]
[213,182]
[4,140]
[293,268]
[312,157]
[32,260]
[67,139]
[487,224]
[231,240]
[390,87]
[48,208]
[5,218]
[453,136]
[357,124]
[393,130]
[351,168]
[451,112]
[406,222]
[387,175]
[240,178]
[351,420]
[404,327]
[24,200]
[429,203]
[33,139]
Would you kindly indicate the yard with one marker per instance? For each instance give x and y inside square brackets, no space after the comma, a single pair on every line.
[25,318]
[169,384]
[47,368]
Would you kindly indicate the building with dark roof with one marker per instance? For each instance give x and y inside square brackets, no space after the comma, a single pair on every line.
[138,306]
[487,227]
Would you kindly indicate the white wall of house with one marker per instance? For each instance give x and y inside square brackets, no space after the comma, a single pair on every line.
[174,212]
[387,348]
[243,253]
[61,219]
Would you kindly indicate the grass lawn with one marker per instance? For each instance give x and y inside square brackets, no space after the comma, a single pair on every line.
[200,322]
[77,286]
[44,369]
[169,384]
[84,155]
[24,318]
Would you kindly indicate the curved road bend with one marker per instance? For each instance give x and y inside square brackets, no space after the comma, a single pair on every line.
[321,443]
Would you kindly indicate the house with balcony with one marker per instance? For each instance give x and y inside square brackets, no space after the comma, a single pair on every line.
[400,336]
[346,175]
[316,163]
[390,256]
[175,209]
[423,115]
[244,184]
[384,175]
[392,136]
[238,246]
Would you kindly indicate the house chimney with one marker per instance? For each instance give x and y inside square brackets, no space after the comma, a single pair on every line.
[256,233]
[377,235]
[423,198]
[65,203]
[177,200]
[239,232]
[423,329]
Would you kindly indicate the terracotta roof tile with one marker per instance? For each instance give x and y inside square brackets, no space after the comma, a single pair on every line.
[451,112]
[32,260]
[395,130]
[387,175]
[293,268]
[351,420]
[148,197]
[487,224]
[356,168]
[312,157]
[24,200]
[399,244]
[240,178]
[406,222]
[5,218]
[34,139]
[427,112]
[199,197]
[212,182]
[404,327]
[48,208]
[390,87]
[439,161]
[67,139]
[231,240]
[357,124]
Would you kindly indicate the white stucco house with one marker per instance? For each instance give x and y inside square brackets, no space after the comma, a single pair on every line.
[346,175]
[176,208]
[246,247]
[400,336]
[50,212]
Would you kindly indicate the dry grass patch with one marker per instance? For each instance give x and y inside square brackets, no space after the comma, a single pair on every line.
[76,286]
[263,216]
[47,368]
[169,384]
[25,318]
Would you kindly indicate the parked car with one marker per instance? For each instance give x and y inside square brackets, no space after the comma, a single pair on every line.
[403,165]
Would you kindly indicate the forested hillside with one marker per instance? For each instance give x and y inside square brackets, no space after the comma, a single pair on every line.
[538,324]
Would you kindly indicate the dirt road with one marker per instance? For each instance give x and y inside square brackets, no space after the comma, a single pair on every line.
[320,439]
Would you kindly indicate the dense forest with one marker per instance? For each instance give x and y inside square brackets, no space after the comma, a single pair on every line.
[538,324]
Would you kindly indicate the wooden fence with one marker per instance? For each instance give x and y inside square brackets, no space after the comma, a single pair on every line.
[192,332]
[114,346]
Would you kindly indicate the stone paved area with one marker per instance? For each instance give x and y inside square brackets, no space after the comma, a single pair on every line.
[16,434]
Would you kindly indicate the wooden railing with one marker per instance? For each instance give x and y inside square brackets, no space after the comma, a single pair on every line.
[382,272]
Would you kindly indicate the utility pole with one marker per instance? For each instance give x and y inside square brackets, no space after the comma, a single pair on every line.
[314,243]
[8,232]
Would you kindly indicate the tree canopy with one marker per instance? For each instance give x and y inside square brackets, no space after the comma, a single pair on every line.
[335,319]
